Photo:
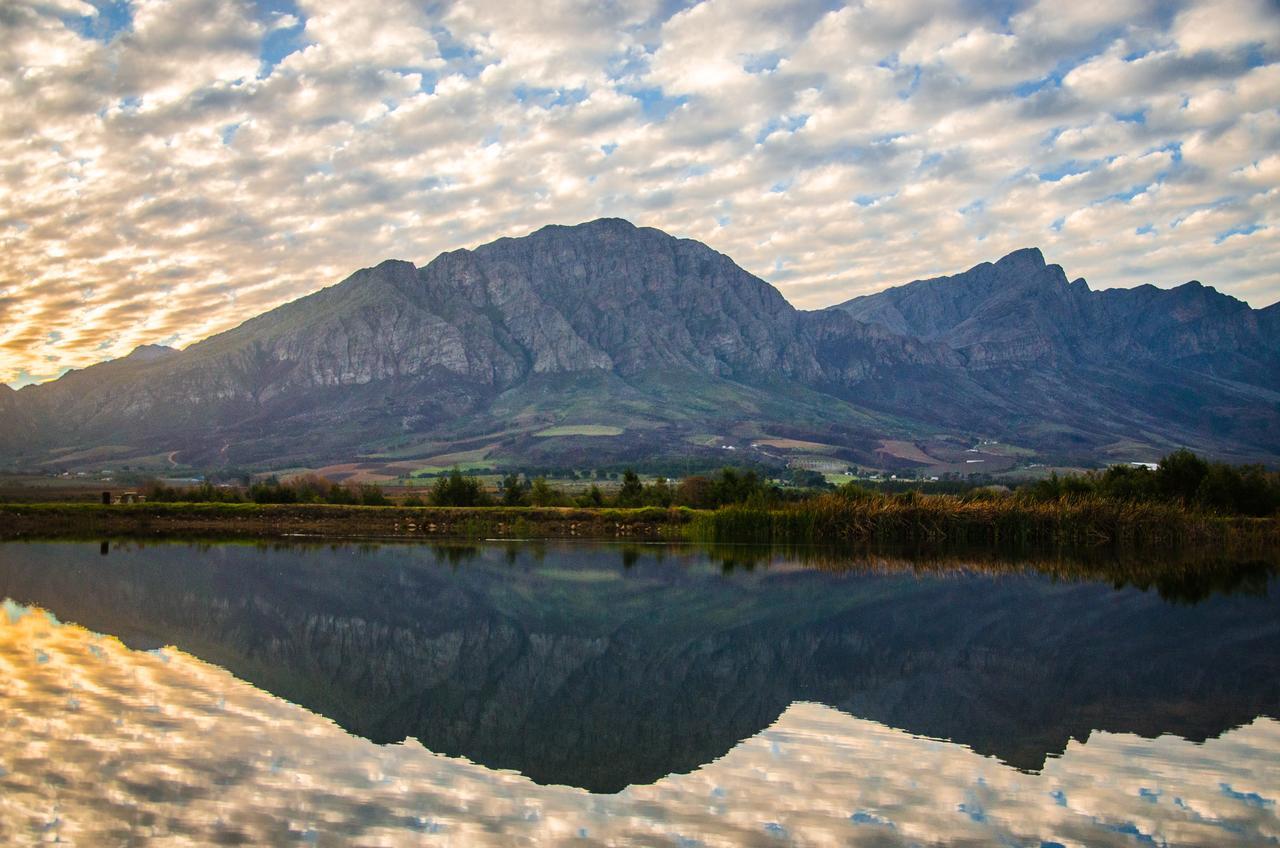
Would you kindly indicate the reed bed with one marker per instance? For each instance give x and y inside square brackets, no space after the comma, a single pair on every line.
[1074,521]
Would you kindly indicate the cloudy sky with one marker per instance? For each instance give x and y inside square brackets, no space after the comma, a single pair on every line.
[169,168]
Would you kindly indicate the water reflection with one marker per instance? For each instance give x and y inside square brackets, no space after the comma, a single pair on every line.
[102,744]
[572,667]
[611,667]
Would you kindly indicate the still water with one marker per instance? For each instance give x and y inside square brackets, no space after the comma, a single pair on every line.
[576,694]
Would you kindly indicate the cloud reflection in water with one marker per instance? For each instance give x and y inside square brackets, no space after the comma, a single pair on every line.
[100,744]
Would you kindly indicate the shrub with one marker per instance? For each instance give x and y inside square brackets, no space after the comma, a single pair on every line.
[457,490]
[541,493]
[1179,475]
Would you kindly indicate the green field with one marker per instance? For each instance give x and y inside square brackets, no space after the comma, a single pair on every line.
[581,430]
[475,465]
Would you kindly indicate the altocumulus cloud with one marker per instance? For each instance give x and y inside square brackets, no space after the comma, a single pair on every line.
[172,167]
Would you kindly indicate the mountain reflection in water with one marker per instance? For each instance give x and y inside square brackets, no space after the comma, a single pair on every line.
[563,665]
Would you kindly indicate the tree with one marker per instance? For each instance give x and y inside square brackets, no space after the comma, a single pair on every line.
[541,493]
[632,491]
[1238,491]
[371,495]
[513,494]
[696,493]
[1179,475]
[1128,483]
[807,479]
[272,491]
[734,487]
[659,493]
[456,490]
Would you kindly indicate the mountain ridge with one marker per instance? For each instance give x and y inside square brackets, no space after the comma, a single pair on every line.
[1059,318]
[608,323]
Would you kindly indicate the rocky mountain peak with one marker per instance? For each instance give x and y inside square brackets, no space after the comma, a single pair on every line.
[1022,259]
[1027,267]
[393,266]
[606,294]
[392,271]
[597,225]
[150,352]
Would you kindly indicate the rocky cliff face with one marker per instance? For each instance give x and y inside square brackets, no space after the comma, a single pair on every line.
[610,323]
[602,296]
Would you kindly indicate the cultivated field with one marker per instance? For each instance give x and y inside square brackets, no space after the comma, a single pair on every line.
[581,430]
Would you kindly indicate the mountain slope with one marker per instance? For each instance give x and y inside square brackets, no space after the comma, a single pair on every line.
[395,350]
[1020,309]
[611,325]
[1181,366]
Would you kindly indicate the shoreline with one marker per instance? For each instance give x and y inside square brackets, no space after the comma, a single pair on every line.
[932,521]
[328,521]
[1210,555]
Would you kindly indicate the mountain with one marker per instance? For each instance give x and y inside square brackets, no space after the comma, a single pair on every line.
[16,427]
[609,328]
[1020,310]
[1188,365]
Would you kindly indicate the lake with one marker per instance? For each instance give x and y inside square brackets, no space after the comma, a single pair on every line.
[554,693]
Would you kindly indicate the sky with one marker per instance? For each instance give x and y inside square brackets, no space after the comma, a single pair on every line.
[170,168]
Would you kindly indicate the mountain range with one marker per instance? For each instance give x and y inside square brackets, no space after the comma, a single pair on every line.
[605,343]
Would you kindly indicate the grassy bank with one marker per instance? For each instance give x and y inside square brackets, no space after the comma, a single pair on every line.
[831,520]
[267,520]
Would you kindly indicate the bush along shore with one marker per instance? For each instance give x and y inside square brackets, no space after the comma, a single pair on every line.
[1183,502]
[913,518]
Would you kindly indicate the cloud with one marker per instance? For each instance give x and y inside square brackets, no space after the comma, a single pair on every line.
[344,33]
[1228,25]
[172,168]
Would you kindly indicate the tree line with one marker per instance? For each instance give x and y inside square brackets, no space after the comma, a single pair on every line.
[1181,478]
[729,486]
[309,489]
